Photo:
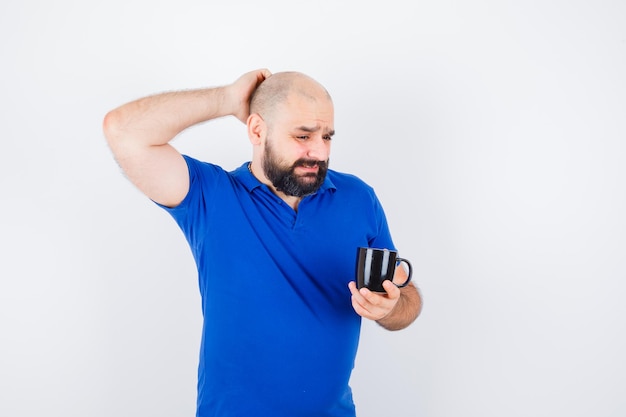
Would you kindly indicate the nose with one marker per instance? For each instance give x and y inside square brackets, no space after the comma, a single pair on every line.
[318,149]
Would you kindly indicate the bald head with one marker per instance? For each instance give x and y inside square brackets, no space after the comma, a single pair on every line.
[275,90]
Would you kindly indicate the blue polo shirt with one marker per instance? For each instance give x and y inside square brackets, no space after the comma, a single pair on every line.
[280,334]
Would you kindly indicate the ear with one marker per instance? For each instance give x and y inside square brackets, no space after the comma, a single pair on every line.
[257,128]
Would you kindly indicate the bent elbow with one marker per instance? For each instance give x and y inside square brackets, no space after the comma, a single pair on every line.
[115,128]
[111,126]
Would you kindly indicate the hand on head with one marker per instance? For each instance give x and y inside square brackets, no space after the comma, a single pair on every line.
[241,91]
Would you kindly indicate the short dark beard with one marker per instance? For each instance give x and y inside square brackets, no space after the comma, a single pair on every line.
[286,181]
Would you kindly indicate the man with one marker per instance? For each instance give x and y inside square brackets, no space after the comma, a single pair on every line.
[274,241]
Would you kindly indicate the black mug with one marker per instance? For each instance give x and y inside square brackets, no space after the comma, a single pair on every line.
[374,266]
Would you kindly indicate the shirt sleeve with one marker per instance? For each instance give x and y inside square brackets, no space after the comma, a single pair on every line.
[382,239]
[194,211]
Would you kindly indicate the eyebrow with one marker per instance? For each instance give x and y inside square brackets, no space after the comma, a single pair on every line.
[314,129]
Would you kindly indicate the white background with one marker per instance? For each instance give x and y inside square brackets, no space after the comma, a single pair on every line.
[493,132]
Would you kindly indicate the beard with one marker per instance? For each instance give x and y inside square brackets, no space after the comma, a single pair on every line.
[285,180]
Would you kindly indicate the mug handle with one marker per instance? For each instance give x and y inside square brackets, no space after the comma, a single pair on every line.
[406,261]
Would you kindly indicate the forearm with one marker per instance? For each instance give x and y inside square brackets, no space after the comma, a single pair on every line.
[406,310]
[155,120]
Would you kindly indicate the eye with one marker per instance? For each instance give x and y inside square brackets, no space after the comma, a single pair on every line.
[304,137]
[327,137]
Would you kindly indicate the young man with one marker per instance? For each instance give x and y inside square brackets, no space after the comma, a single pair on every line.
[275,243]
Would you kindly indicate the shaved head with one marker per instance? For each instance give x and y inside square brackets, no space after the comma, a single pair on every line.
[275,90]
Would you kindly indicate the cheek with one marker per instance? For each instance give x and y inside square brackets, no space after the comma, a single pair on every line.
[297,151]
[287,154]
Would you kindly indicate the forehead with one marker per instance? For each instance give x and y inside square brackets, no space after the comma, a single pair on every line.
[306,110]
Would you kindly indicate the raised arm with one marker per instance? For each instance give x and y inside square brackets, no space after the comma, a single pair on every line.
[139,133]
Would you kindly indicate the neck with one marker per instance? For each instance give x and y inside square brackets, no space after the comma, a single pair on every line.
[292,201]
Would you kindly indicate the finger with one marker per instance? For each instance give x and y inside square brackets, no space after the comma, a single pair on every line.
[359,303]
[365,309]
[360,309]
[392,289]
[378,303]
[373,305]
[356,293]
[261,75]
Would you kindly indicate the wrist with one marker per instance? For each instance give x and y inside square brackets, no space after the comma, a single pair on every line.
[230,102]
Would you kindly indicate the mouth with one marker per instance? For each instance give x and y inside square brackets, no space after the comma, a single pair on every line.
[309,166]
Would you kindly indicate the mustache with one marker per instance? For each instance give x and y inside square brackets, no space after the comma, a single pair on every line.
[310,163]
